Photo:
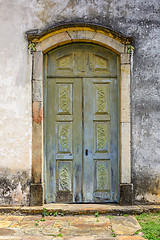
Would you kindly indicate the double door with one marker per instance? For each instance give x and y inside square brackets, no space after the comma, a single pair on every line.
[82,132]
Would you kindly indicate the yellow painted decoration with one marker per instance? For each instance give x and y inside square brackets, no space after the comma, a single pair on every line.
[64,99]
[64,62]
[64,140]
[101,137]
[101,63]
[102,176]
[101,100]
[63,178]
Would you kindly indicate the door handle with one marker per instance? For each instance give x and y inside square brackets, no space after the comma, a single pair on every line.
[86,152]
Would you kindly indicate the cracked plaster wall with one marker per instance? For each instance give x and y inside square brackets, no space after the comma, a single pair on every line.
[138,19]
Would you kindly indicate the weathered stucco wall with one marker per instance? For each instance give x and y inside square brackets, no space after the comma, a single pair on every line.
[138,19]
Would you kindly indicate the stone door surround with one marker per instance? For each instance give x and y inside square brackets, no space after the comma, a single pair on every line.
[43,43]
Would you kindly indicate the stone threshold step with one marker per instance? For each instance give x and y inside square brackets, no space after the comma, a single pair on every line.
[80,209]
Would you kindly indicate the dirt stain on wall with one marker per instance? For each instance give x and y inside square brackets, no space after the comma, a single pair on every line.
[14,187]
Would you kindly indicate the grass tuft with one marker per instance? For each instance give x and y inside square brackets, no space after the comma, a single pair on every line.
[150,224]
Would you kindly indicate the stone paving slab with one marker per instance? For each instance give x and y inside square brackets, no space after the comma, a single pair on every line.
[22,224]
[38,238]
[125,225]
[130,238]
[14,218]
[6,232]
[69,228]
[5,223]
[89,238]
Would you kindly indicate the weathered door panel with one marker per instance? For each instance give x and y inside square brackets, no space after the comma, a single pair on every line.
[82,60]
[100,139]
[64,140]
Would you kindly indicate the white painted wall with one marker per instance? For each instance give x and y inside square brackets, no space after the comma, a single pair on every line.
[139,19]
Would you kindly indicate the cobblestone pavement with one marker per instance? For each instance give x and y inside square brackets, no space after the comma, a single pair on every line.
[68,227]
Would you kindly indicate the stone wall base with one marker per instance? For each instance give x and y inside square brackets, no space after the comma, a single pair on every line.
[37,194]
[126,194]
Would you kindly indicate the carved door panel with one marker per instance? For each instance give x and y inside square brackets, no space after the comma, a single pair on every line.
[64,140]
[100,140]
[81,124]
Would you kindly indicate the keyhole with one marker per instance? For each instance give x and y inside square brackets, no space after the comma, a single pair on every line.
[86,152]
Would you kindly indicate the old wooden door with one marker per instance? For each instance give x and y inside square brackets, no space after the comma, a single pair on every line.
[81,124]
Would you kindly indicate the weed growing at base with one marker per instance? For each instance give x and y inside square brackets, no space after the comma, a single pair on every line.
[46,212]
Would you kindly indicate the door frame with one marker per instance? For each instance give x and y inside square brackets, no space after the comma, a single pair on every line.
[42,43]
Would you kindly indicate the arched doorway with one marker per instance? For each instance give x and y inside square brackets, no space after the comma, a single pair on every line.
[99,46]
[82,124]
